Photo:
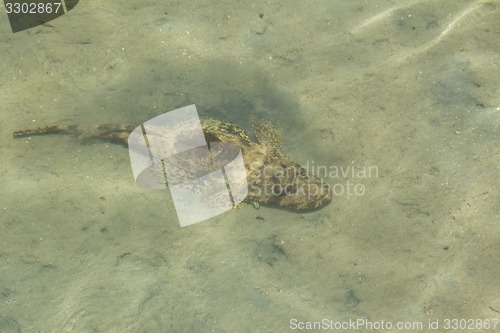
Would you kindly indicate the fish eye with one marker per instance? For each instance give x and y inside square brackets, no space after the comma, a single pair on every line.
[278,190]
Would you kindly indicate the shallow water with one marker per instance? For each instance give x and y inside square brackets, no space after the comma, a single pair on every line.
[409,89]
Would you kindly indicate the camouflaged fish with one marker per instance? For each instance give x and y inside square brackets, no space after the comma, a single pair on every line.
[272,177]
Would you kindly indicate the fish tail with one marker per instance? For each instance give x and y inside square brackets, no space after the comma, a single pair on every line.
[45,130]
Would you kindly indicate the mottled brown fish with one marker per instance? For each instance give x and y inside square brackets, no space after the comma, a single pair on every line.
[273,178]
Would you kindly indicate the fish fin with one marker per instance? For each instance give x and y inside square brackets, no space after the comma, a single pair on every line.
[266,133]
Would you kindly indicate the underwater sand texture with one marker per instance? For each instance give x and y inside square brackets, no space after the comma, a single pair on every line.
[408,87]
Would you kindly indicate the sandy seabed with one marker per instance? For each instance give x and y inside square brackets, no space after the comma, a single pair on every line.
[408,87]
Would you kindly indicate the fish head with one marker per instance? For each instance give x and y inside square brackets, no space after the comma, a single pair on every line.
[280,181]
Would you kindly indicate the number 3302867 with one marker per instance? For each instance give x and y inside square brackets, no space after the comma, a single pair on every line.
[32,8]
